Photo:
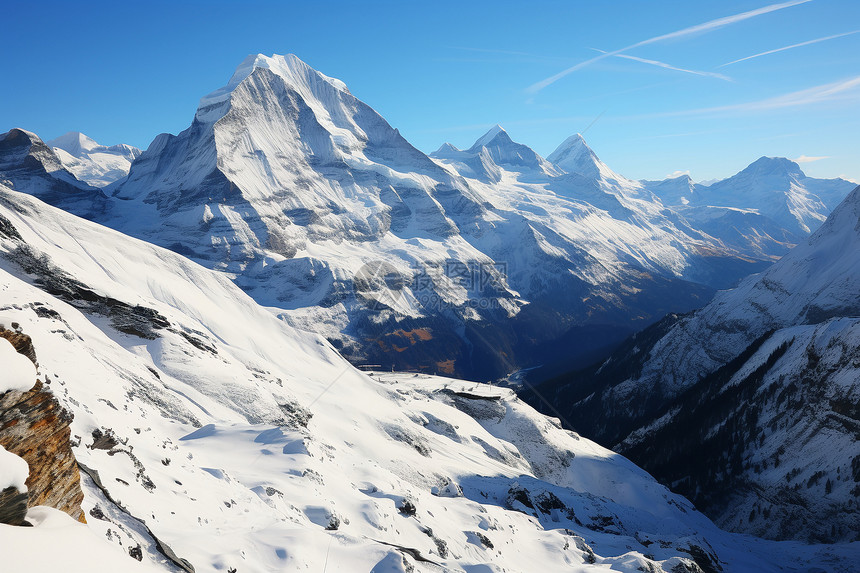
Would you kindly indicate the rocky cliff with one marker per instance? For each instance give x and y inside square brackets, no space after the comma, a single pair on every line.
[35,427]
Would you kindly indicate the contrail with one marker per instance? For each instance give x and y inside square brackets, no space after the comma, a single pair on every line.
[706,27]
[789,48]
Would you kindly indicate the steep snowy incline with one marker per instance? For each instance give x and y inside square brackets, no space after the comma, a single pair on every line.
[816,280]
[214,436]
[94,164]
[762,383]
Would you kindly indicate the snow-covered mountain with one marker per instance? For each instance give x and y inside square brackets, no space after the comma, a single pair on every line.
[213,435]
[764,210]
[762,387]
[777,188]
[479,264]
[475,262]
[618,220]
[30,166]
[94,164]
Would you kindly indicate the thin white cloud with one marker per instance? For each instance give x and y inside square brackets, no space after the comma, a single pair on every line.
[809,159]
[844,90]
[676,174]
[817,94]
[675,68]
[700,28]
[817,40]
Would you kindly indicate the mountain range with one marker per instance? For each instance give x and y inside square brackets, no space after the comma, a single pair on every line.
[473,263]
[198,310]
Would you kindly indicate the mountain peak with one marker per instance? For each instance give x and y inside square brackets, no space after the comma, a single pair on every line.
[775,166]
[574,156]
[74,142]
[572,150]
[497,131]
[16,144]
[16,132]
[446,150]
[293,70]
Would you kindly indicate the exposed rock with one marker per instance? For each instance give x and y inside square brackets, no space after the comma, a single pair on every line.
[13,507]
[22,343]
[35,427]
[160,545]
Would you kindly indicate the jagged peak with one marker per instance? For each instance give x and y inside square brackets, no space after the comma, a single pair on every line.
[576,157]
[26,142]
[681,177]
[497,132]
[293,70]
[573,142]
[572,150]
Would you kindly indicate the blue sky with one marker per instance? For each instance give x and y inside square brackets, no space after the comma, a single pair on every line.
[647,83]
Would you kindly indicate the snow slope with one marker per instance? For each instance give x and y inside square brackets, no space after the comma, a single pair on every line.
[239,442]
[18,371]
[816,280]
[94,164]
[13,471]
[56,542]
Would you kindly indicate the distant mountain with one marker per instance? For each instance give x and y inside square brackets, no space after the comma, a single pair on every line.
[30,166]
[749,405]
[97,165]
[764,210]
[777,188]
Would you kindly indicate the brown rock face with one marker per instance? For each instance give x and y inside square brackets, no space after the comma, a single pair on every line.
[13,506]
[35,427]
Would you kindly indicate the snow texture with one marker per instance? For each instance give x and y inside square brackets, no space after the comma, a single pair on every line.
[57,543]
[13,471]
[18,372]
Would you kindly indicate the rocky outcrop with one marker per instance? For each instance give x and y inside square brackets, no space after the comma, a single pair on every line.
[35,427]
[13,506]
